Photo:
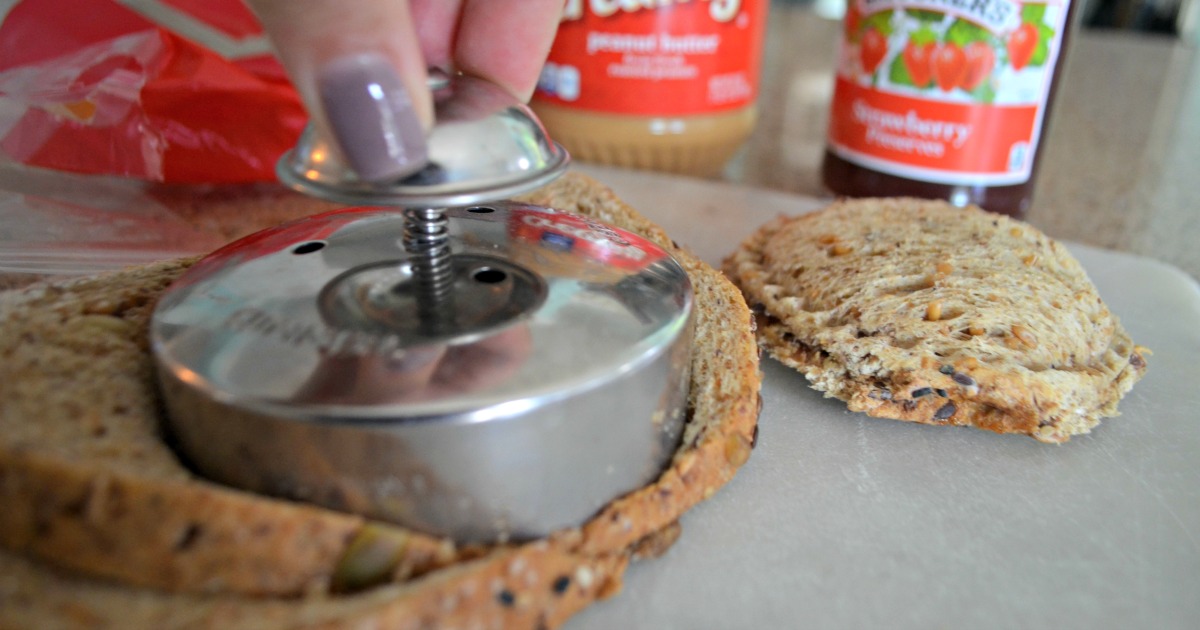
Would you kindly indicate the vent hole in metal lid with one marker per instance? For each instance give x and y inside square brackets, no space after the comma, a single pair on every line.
[309,247]
[488,275]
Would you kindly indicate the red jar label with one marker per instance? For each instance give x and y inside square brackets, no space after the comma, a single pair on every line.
[655,58]
[945,91]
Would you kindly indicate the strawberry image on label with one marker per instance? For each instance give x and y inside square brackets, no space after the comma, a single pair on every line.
[981,59]
[874,47]
[949,66]
[917,62]
[1021,45]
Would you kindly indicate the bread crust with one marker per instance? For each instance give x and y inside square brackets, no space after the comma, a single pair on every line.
[100,510]
[920,311]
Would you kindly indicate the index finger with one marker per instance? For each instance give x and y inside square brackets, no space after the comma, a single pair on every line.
[358,66]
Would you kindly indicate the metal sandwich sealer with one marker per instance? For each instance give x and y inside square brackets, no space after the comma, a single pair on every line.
[436,356]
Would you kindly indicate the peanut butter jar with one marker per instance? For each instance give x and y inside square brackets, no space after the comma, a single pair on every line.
[667,86]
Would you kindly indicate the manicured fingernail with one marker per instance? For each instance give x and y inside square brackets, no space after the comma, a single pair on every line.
[372,117]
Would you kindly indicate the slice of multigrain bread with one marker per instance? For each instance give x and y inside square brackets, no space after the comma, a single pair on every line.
[105,527]
[920,311]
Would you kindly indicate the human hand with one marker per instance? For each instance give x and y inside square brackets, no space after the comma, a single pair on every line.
[361,65]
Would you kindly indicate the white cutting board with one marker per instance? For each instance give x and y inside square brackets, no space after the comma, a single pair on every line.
[843,521]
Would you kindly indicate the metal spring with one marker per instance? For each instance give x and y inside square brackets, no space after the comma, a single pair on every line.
[426,239]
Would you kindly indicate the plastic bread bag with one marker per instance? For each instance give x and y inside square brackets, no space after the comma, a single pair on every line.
[97,87]
[116,117]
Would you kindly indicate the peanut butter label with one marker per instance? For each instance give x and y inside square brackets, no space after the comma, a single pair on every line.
[655,57]
[945,91]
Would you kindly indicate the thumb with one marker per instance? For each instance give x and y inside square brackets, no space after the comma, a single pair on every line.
[358,66]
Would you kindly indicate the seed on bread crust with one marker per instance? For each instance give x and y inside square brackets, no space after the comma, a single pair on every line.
[963,379]
[945,412]
[933,312]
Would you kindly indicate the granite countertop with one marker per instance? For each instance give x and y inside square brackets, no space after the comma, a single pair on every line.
[1122,157]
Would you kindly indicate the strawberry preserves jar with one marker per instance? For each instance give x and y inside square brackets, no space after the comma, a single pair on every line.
[944,99]
[667,85]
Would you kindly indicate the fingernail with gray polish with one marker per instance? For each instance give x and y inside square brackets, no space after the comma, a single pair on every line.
[372,117]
